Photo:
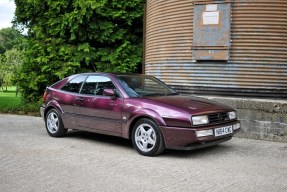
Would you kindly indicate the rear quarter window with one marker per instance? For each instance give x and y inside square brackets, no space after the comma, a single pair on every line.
[74,85]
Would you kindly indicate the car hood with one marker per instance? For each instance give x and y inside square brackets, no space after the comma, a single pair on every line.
[193,105]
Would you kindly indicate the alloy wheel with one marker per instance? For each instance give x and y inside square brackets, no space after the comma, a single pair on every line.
[145,137]
[52,122]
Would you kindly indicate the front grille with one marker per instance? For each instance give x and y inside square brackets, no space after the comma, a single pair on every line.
[218,117]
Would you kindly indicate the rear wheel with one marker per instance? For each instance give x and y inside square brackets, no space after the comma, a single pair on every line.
[147,138]
[54,124]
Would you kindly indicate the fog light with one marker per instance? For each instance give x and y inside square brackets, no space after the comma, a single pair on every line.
[204,133]
[236,126]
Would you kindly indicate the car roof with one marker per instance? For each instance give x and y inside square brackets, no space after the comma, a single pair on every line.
[110,74]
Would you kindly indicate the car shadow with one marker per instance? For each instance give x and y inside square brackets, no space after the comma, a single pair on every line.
[127,144]
[100,138]
[203,152]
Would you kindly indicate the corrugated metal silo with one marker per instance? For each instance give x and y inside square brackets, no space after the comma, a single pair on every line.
[254,62]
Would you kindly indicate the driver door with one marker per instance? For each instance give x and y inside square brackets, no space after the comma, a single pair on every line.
[95,111]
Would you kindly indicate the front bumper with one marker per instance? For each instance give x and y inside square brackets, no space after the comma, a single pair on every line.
[42,112]
[186,138]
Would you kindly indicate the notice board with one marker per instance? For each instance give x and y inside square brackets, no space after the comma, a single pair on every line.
[211,31]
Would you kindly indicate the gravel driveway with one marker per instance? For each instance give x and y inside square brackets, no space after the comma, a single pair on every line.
[30,160]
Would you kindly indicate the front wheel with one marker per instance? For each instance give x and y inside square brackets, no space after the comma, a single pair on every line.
[54,124]
[147,138]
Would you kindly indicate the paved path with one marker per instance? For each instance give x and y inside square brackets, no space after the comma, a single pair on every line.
[30,160]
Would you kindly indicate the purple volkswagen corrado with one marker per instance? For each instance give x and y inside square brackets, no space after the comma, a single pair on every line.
[136,107]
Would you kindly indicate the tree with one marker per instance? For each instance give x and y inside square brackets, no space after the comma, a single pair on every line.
[70,36]
[11,45]
[2,72]
[9,38]
[10,66]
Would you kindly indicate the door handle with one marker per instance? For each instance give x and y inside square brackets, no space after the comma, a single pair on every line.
[79,99]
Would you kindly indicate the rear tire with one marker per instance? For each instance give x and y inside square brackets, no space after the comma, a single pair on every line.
[54,124]
[147,138]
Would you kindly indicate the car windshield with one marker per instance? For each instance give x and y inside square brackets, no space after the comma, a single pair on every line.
[140,86]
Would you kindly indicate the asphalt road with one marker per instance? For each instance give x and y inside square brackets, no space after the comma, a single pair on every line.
[30,160]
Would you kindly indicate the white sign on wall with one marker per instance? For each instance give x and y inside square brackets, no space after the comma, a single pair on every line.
[211,7]
[210,18]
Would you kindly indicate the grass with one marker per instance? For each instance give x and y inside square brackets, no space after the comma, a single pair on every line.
[10,103]
[9,99]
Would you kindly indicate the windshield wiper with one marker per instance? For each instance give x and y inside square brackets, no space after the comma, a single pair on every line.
[161,94]
[154,94]
[172,94]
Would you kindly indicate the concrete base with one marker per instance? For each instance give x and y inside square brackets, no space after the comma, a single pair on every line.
[260,118]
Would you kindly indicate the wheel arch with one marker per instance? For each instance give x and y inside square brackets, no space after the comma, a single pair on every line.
[48,109]
[134,121]
[52,105]
[158,122]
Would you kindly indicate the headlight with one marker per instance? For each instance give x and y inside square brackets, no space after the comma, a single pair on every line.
[199,120]
[232,115]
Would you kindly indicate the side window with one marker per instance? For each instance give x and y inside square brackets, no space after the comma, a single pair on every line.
[74,85]
[95,85]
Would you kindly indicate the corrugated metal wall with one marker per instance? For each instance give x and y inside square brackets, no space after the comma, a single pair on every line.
[164,21]
[258,52]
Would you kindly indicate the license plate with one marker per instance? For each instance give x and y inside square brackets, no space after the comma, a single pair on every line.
[223,131]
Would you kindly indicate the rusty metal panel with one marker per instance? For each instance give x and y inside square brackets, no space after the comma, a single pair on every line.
[257,80]
[211,53]
[202,2]
[259,32]
[257,64]
[211,32]
[168,30]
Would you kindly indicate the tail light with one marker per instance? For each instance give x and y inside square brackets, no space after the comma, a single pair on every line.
[44,96]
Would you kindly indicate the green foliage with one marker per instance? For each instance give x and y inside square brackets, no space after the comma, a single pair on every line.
[10,38]
[71,36]
[11,56]
[10,66]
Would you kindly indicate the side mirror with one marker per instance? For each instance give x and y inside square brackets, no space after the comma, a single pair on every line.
[109,92]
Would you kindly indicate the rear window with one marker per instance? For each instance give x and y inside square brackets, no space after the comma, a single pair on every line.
[74,85]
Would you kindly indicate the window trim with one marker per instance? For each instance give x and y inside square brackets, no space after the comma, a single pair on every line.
[119,94]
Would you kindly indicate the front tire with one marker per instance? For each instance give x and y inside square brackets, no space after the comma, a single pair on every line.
[147,138]
[54,124]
